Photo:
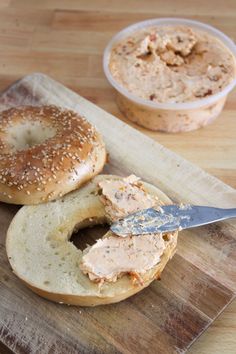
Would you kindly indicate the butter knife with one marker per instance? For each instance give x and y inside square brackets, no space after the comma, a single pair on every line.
[169,218]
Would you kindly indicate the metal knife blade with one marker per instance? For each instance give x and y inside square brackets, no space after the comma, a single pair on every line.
[169,218]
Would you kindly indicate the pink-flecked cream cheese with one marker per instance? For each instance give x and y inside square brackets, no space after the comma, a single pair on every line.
[123,197]
[171,77]
[113,256]
[172,64]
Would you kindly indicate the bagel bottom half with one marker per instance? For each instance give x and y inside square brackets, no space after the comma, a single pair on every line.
[42,256]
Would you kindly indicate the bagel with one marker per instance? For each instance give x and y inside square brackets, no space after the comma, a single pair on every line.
[46,152]
[48,263]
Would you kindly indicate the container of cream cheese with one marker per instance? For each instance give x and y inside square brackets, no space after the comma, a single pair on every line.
[171,74]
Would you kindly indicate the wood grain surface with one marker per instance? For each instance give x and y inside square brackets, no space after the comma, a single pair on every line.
[197,284]
[66,38]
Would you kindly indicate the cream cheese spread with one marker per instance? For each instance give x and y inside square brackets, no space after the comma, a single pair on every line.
[113,256]
[124,196]
[171,64]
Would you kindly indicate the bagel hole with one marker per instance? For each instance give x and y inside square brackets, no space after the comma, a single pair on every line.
[88,236]
[24,135]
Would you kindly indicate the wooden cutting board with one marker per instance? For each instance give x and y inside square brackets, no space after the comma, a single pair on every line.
[197,284]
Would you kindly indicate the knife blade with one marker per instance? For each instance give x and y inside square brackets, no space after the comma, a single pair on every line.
[169,218]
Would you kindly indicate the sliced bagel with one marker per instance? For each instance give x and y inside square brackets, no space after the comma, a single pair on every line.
[42,256]
[46,152]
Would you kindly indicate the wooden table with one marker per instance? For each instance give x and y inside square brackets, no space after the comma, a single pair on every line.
[66,38]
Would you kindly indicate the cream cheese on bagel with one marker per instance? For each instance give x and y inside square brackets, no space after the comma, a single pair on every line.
[114,256]
[123,197]
[45,152]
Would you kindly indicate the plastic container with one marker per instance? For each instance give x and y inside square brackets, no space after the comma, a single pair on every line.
[169,117]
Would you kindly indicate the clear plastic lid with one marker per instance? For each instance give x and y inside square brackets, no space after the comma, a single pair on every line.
[160,22]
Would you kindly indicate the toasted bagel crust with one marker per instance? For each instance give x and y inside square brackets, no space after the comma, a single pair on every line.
[45,152]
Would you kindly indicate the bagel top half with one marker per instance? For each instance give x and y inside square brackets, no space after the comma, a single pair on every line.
[45,152]
[50,264]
